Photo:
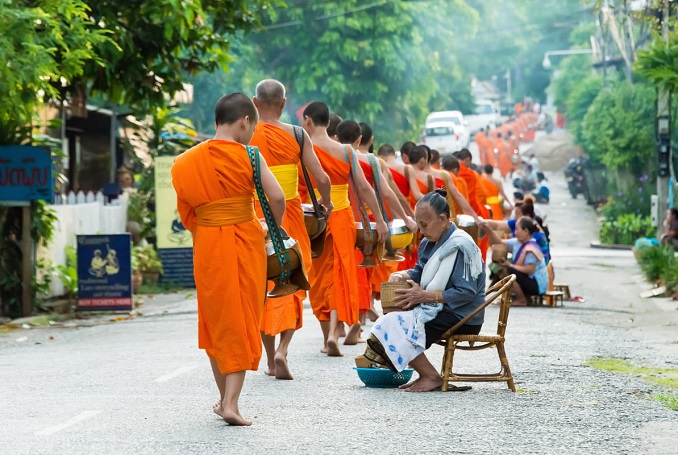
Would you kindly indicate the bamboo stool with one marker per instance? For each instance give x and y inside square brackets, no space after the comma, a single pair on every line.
[500,290]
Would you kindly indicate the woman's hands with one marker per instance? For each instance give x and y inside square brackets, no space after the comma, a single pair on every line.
[407,299]
[398,276]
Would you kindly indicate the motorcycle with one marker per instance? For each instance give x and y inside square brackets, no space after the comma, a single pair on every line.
[574,175]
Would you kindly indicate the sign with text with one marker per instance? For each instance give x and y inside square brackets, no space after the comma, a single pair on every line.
[174,241]
[105,272]
[26,173]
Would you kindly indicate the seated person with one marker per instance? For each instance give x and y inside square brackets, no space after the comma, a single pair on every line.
[543,191]
[448,284]
[525,208]
[670,235]
[528,264]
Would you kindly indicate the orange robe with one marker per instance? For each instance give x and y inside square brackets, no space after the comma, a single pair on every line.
[215,200]
[281,152]
[476,200]
[334,285]
[492,198]
[503,157]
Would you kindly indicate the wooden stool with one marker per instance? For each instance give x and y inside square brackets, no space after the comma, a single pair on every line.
[564,288]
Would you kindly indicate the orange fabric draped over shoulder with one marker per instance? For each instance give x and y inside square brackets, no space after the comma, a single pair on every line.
[229,259]
[492,198]
[401,182]
[279,148]
[334,285]
[476,198]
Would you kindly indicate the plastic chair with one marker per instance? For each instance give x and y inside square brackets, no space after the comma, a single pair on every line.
[451,342]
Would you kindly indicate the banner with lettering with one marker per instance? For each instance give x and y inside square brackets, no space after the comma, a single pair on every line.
[26,173]
[104,272]
[174,241]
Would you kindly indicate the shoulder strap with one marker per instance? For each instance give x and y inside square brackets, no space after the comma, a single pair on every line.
[299,136]
[359,205]
[431,183]
[273,228]
[376,176]
[450,201]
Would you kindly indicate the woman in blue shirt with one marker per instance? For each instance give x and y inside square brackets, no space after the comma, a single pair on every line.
[528,264]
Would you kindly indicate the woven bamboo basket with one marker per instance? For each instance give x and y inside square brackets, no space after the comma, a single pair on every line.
[388,294]
[499,252]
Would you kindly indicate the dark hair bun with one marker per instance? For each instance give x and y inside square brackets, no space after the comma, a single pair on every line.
[441,191]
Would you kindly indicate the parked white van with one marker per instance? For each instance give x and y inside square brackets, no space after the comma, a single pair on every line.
[456,117]
[442,136]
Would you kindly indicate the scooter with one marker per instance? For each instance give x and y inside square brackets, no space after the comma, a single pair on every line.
[574,175]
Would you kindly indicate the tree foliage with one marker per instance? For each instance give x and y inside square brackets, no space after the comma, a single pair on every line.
[616,129]
[44,46]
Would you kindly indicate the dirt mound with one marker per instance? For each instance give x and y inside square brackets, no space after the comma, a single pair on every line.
[553,150]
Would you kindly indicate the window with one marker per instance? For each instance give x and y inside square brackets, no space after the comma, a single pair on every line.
[439,131]
[483,109]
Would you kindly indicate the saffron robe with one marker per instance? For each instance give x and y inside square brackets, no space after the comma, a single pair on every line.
[282,155]
[215,200]
[334,285]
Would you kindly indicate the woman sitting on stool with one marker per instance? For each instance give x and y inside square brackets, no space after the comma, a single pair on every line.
[528,264]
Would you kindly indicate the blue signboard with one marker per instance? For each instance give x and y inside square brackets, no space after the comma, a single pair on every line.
[105,272]
[26,173]
[177,266]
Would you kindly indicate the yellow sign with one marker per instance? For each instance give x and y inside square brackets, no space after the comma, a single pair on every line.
[169,231]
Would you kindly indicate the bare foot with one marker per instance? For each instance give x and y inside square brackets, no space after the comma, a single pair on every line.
[519,303]
[270,371]
[282,371]
[353,336]
[232,418]
[372,315]
[341,330]
[409,384]
[426,385]
[323,350]
[333,348]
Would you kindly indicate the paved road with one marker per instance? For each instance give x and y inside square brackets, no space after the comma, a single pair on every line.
[142,386]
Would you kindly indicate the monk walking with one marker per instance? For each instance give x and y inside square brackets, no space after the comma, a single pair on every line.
[334,286]
[278,145]
[215,200]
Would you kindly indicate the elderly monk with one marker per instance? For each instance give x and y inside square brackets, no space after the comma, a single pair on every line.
[215,200]
[278,145]
[334,286]
[349,132]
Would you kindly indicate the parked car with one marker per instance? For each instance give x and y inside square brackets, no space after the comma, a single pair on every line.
[486,114]
[442,136]
[456,117]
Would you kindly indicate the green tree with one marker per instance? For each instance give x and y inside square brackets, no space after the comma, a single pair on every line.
[616,130]
[44,46]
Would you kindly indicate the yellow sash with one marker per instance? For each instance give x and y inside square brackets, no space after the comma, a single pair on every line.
[226,212]
[339,195]
[492,200]
[287,176]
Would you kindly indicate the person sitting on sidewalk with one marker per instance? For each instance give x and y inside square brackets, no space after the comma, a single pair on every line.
[543,192]
[670,235]
[528,263]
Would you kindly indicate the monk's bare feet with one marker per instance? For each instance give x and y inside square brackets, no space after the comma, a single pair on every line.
[333,348]
[409,384]
[323,350]
[270,371]
[353,336]
[215,407]
[372,314]
[282,371]
[231,417]
[341,330]
[426,384]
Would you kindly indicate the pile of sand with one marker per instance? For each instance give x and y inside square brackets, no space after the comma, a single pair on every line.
[553,150]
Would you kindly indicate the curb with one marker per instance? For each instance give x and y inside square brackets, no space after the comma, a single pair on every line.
[610,246]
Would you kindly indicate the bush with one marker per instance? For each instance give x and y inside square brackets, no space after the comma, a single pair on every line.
[635,201]
[625,229]
[658,262]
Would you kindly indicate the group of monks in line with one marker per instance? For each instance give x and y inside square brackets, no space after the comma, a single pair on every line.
[500,147]
[215,184]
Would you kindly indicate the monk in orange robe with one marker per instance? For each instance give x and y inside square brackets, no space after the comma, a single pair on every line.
[476,194]
[495,194]
[359,136]
[215,200]
[503,155]
[403,176]
[334,286]
[451,165]
[278,145]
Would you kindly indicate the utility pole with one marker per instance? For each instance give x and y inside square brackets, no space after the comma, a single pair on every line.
[663,135]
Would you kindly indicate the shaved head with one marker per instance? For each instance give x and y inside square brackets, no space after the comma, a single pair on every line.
[270,92]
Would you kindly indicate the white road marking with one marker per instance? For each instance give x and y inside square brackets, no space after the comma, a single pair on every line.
[174,374]
[79,418]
